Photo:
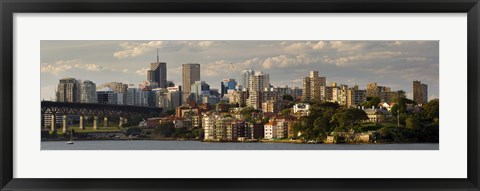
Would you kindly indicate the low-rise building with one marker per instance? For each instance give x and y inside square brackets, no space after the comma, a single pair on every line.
[301,109]
[378,115]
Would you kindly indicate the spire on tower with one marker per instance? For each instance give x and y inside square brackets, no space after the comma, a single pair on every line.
[157,56]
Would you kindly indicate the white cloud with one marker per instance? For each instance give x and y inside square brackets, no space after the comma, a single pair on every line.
[284,61]
[142,71]
[352,59]
[416,59]
[135,49]
[205,44]
[65,65]
[432,97]
[304,46]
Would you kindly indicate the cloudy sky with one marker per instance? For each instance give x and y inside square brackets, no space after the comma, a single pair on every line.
[389,63]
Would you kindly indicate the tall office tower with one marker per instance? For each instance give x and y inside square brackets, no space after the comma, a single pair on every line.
[356,96]
[68,90]
[132,95]
[159,73]
[245,78]
[190,74]
[88,91]
[174,97]
[151,76]
[200,89]
[420,92]
[227,84]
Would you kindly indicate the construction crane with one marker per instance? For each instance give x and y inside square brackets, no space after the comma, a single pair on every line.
[232,70]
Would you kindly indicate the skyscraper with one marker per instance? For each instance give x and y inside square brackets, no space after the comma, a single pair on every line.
[158,73]
[420,92]
[68,90]
[88,91]
[312,87]
[227,84]
[117,87]
[190,74]
[257,84]
[200,89]
[245,78]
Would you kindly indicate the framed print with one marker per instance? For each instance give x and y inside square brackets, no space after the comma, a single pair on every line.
[259,95]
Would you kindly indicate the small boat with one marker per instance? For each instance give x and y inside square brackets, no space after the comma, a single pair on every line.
[71,137]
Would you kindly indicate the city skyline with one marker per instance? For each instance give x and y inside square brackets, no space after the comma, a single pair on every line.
[389,63]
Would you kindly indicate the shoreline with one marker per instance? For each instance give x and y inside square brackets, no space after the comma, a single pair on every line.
[260,141]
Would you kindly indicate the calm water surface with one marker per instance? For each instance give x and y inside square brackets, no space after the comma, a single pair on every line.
[197,145]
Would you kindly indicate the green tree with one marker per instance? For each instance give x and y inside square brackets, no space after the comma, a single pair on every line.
[170,112]
[430,110]
[133,131]
[349,118]
[285,112]
[164,129]
[412,122]
[287,97]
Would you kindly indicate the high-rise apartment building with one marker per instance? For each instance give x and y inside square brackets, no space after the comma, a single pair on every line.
[420,92]
[340,94]
[68,90]
[356,96]
[88,91]
[258,82]
[312,90]
[306,89]
[384,93]
[245,79]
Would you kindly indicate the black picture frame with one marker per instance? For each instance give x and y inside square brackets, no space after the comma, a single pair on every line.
[9,7]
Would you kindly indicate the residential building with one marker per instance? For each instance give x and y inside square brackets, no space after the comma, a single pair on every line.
[116,87]
[245,79]
[271,106]
[356,96]
[312,87]
[255,130]
[340,94]
[88,91]
[270,130]
[420,92]
[301,109]
[68,90]
[258,82]
[378,115]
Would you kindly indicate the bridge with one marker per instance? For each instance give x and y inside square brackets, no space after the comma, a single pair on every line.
[93,109]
